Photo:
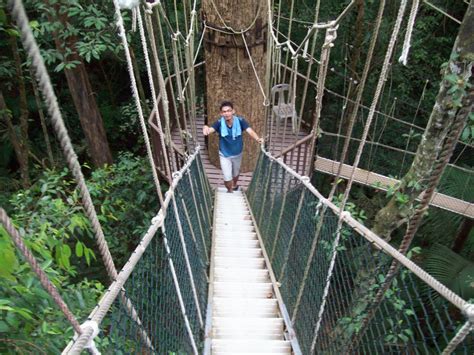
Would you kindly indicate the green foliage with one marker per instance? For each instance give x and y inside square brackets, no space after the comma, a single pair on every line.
[451,269]
[52,222]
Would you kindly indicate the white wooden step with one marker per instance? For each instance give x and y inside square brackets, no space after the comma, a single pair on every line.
[244,346]
[244,263]
[233,224]
[247,325]
[248,307]
[234,227]
[245,242]
[230,233]
[237,274]
[243,289]
[238,252]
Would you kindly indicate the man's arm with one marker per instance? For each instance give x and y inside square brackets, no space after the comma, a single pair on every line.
[254,135]
[206,130]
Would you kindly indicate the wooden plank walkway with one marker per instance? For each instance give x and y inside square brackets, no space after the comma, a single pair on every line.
[369,178]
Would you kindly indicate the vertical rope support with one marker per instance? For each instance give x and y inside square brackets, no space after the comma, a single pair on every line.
[310,64]
[186,257]
[267,187]
[188,52]
[167,66]
[177,71]
[290,24]
[331,34]
[159,71]
[380,83]
[136,96]
[155,103]
[358,99]
[378,91]
[309,261]
[293,229]
[198,207]
[190,224]
[45,281]
[180,297]
[411,24]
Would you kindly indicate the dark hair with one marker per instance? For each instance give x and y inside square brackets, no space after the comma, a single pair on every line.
[226,103]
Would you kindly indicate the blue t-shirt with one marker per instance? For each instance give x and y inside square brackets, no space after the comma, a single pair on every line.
[229,146]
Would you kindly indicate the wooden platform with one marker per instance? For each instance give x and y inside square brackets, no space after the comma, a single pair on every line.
[214,173]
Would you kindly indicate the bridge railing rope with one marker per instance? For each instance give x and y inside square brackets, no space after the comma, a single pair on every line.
[165,278]
[328,303]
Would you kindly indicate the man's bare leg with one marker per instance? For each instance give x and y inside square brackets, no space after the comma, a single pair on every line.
[228,185]
[235,180]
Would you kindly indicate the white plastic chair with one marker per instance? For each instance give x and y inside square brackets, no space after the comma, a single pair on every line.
[283,107]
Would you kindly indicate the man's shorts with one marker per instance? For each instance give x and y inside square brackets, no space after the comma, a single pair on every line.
[230,166]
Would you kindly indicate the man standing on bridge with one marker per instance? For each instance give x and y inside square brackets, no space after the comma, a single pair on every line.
[230,128]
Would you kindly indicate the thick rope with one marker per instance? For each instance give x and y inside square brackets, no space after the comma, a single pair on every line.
[186,258]
[358,99]
[45,281]
[155,105]
[411,24]
[467,328]
[123,37]
[29,43]
[45,85]
[265,98]
[380,83]
[331,35]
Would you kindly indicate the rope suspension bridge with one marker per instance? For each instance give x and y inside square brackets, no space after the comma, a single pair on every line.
[277,268]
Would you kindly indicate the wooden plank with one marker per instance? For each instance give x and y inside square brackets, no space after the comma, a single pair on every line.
[369,178]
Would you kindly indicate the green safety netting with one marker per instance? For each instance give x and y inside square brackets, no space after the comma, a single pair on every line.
[412,318]
[162,277]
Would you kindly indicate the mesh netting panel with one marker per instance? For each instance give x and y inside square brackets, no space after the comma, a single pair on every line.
[182,249]
[299,234]
[152,292]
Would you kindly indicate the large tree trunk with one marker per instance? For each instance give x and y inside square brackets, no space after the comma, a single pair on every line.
[229,72]
[84,99]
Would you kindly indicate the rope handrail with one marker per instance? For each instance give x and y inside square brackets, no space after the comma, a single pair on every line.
[365,232]
[97,315]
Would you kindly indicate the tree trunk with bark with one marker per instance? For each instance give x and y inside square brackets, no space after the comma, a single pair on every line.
[229,72]
[83,97]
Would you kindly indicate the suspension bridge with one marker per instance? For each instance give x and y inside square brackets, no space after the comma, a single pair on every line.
[277,268]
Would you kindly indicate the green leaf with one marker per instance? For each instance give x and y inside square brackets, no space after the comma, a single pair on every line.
[79,249]
[65,255]
[8,261]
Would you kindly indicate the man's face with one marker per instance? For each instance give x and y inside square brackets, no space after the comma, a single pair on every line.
[227,112]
